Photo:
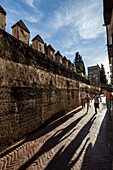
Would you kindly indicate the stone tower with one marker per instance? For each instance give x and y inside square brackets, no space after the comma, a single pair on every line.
[21,32]
[38,44]
[50,52]
[94,73]
[58,57]
[2,19]
[65,61]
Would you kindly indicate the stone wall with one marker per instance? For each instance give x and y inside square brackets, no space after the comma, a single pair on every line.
[33,89]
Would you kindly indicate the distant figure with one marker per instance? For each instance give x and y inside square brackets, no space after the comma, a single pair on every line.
[83,95]
[96,101]
[108,99]
[87,99]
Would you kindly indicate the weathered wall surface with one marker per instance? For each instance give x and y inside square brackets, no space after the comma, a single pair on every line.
[32,89]
[2,21]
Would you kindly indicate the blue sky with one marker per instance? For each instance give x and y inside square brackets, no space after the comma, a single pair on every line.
[68,25]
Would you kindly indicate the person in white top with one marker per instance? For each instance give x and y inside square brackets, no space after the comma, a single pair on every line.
[96,101]
[83,96]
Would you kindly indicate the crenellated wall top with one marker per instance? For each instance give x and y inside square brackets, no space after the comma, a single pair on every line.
[17,51]
[22,33]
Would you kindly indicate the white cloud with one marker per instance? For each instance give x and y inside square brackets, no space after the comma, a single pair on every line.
[33,18]
[103,59]
[66,44]
[90,24]
[86,18]
[69,53]
[42,34]
[30,3]
[24,15]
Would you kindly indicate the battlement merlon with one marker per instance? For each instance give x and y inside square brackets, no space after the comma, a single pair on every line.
[38,44]
[65,62]
[71,66]
[58,57]
[50,52]
[2,18]
[21,32]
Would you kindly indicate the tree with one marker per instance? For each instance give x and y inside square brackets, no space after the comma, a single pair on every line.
[80,68]
[103,78]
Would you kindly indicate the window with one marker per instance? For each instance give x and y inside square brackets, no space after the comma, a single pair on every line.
[22,31]
[40,47]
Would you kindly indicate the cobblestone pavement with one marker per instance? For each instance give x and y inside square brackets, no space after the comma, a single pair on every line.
[76,141]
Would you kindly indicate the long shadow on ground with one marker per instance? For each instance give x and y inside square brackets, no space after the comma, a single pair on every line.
[63,158]
[43,131]
[98,157]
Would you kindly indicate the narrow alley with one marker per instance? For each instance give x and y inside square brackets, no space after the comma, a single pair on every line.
[75,141]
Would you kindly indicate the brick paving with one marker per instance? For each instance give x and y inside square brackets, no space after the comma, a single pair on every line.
[76,141]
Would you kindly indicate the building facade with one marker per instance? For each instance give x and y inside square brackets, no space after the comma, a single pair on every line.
[94,74]
[108,22]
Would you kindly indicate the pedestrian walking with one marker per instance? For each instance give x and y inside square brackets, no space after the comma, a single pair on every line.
[87,99]
[108,96]
[96,98]
[83,95]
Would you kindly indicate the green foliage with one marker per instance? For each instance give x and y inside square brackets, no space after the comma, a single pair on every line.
[103,78]
[80,68]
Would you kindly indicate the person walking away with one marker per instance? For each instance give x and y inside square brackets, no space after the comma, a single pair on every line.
[108,96]
[83,95]
[96,101]
[87,99]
